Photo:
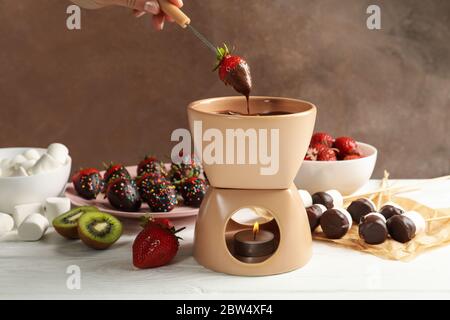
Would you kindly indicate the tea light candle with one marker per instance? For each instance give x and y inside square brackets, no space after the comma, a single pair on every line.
[254,245]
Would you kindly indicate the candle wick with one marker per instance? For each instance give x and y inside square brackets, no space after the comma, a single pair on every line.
[254,236]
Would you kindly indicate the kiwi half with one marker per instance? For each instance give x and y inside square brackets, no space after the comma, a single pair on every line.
[66,224]
[99,230]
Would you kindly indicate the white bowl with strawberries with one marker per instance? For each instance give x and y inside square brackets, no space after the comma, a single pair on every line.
[339,163]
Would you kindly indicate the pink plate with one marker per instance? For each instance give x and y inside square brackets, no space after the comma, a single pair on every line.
[103,204]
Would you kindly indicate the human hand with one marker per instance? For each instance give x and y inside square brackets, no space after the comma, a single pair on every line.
[140,8]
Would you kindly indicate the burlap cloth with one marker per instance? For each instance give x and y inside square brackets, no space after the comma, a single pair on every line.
[436,235]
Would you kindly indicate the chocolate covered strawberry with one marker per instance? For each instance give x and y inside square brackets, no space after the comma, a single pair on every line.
[151,165]
[122,194]
[193,191]
[88,183]
[146,182]
[156,245]
[234,71]
[115,171]
[189,167]
[162,197]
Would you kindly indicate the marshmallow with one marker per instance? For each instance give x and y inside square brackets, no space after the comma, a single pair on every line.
[33,228]
[6,223]
[306,198]
[44,164]
[21,212]
[18,160]
[31,154]
[56,206]
[6,167]
[19,172]
[59,152]
[338,201]
[418,220]
[28,164]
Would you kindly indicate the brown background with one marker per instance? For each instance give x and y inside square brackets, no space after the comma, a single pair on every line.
[116,89]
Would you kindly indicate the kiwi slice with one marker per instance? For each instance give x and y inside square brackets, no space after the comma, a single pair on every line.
[99,230]
[66,224]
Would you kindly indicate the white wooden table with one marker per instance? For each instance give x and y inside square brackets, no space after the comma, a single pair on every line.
[38,270]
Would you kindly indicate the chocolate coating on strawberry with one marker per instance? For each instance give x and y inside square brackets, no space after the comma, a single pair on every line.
[151,165]
[234,71]
[146,182]
[116,171]
[88,183]
[193,191]
[162,197]
[123,195]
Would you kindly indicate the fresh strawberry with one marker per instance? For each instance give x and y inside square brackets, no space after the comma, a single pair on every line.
[164,222]
[156,245]
[162,197]
[346,146]
[313,151]
[322,138]
[193,191]
[88,183]
[123,195]
[151,165]
[352,157]
[146,182]
[326,154]
[115,171]
[234,71]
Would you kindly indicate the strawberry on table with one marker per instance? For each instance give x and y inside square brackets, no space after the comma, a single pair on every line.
[156,245]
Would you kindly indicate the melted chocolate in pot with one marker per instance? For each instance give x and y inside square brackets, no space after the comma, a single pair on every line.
[262,114]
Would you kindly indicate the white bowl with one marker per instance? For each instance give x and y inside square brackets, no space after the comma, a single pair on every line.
[28,189]
[346,176]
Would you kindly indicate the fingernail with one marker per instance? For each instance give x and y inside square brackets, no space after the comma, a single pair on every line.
[152,7]
[162,26]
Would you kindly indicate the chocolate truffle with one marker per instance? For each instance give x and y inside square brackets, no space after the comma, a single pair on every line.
[390,209]
[335,223]
[401,228]
[315,212]
[359,208]
[306,198]
[373,229]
